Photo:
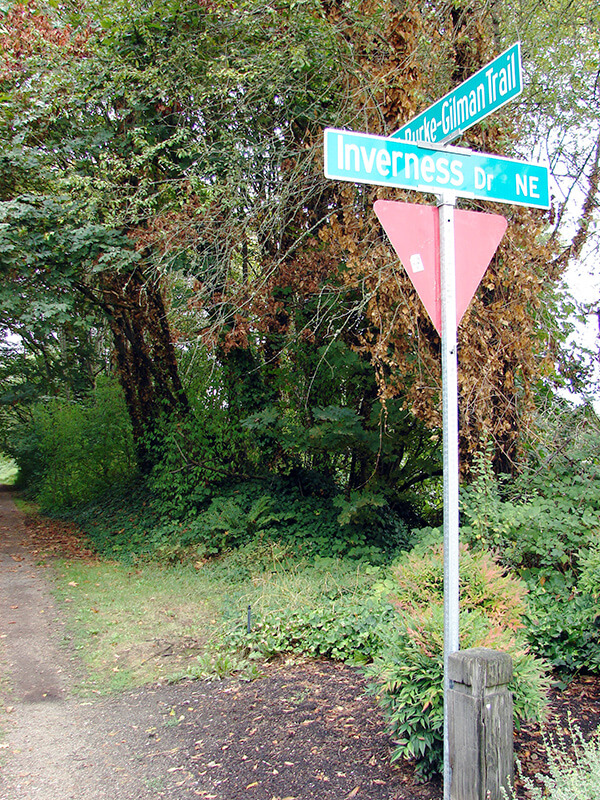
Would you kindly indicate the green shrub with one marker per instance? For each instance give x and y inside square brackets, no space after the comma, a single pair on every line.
[564,628]
[589,581]
[234,514]
[121,523]
[407,679]
[71,452]
[342,629]
[484,585]
[544,526]
[324,607]
[540,525]
[8,470]
[407,672]
[191,458]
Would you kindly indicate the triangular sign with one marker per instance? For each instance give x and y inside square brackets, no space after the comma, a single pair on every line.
[414,231]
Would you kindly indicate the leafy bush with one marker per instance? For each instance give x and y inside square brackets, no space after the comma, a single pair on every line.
[342,629]
[541,524]
[70,452]
[8,470]
[589,580]
[544,526]
[564,628]
[121,523]
[234,514]
[407,673]
[191,458]
[484,585]
[407,680]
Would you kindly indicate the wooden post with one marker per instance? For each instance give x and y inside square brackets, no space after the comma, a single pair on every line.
[480,724]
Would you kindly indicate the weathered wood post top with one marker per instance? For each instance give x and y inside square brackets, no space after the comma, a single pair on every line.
[481,724]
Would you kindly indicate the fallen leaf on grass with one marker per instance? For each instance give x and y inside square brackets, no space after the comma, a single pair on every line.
[353,793]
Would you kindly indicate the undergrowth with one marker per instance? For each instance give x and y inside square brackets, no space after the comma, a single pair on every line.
[132,524]
[285,576]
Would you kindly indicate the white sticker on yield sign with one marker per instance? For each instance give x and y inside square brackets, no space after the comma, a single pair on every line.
[416,263]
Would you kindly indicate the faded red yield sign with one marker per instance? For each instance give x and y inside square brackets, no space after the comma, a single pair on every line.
[414,231]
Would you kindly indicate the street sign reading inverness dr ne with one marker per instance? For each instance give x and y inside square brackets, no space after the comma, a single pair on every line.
[484,92]
[384,161]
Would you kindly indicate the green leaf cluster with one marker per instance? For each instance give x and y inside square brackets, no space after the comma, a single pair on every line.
[544,526]
[231,515]
[74,451]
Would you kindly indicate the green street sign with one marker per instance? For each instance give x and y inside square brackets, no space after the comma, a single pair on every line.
[386,161]
[485,91]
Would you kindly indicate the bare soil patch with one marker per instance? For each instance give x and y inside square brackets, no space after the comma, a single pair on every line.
[304,730]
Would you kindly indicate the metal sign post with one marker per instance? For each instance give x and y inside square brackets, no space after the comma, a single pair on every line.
[445,252]
[451,464]
[414,158]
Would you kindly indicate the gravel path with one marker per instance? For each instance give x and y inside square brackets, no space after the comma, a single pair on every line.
[55,746]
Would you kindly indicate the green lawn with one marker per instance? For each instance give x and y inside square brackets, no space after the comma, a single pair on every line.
[134,624]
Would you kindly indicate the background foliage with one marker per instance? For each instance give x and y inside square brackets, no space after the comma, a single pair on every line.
[211,356]
[164,217]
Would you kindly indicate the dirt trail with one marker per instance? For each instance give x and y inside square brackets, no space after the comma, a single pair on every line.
[303,732]
[54,747]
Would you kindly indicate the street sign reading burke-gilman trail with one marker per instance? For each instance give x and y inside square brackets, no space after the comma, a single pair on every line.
[484,92]
[384,161]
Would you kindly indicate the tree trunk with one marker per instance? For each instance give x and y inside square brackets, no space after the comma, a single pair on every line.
[145,355]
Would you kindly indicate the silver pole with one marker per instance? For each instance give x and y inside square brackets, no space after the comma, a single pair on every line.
[451,468]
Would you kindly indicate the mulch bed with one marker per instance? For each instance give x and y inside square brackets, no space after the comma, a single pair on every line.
[307,731]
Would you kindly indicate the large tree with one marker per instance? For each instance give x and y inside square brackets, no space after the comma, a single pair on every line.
[89,153]
[409,56]
[188,140]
